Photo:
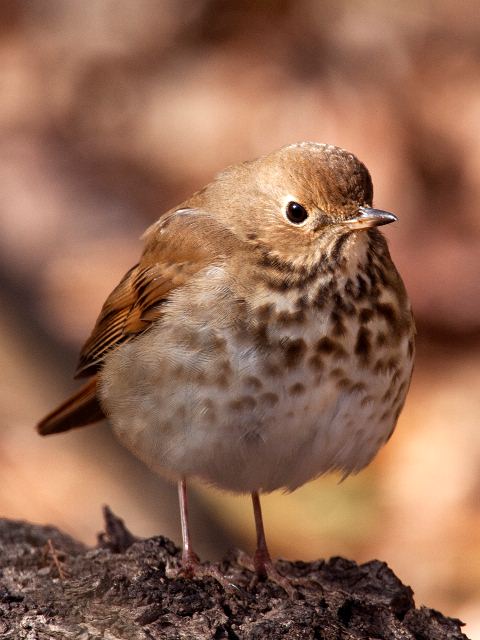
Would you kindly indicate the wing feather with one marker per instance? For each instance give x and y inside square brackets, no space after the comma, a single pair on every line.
[177,248]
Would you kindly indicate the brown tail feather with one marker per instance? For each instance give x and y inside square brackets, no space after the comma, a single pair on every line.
[79,410]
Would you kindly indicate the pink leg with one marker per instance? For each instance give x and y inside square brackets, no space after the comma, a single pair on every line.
[262,561]
[262,557]
[189,557]
[191,566]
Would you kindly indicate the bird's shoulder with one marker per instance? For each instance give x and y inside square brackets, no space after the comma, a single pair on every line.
[177,247]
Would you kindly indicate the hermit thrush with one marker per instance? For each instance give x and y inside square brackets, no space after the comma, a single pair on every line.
[264,338]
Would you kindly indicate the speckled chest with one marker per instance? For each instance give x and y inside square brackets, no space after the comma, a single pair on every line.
[342,338]
[295,383]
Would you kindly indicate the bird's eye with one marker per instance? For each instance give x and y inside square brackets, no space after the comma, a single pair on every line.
[296,213]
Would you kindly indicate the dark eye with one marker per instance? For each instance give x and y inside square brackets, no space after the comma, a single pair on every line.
[296,213]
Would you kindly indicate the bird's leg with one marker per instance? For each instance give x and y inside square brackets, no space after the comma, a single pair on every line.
[262,557]
[191,566]
[190,559]
[262,561]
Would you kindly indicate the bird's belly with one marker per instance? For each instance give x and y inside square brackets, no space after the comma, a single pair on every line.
[247,420]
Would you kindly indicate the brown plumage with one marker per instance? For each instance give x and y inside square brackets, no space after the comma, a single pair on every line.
[80,409]
[264,338]
[174,251]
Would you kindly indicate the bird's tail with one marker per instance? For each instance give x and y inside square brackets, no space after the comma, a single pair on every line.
[80,409]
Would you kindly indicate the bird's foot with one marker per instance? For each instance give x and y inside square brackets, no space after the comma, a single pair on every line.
[190,564]
[263,568]
[191,568]
[188,568]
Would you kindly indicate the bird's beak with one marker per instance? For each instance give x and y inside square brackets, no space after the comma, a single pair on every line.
[368,217]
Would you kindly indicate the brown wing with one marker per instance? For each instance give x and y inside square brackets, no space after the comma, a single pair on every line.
[78,410]
[177,248]
[129,310]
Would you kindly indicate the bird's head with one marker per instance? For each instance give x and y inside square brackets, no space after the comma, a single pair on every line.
[298,201]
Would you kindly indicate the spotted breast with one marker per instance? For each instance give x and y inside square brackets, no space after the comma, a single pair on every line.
[297,374]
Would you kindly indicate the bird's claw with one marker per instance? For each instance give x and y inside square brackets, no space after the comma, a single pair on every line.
[263,569]
[191,568]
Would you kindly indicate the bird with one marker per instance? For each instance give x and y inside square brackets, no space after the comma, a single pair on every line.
[264,339]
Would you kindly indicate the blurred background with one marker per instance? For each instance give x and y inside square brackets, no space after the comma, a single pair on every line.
[113,111]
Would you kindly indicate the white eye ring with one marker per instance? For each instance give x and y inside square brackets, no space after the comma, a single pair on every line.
[296,213]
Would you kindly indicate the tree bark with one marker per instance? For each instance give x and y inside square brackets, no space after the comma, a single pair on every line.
[52,587]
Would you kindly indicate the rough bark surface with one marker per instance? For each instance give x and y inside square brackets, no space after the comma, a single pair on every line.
[52,587]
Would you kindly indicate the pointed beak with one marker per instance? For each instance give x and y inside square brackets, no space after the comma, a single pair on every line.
[368,217]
